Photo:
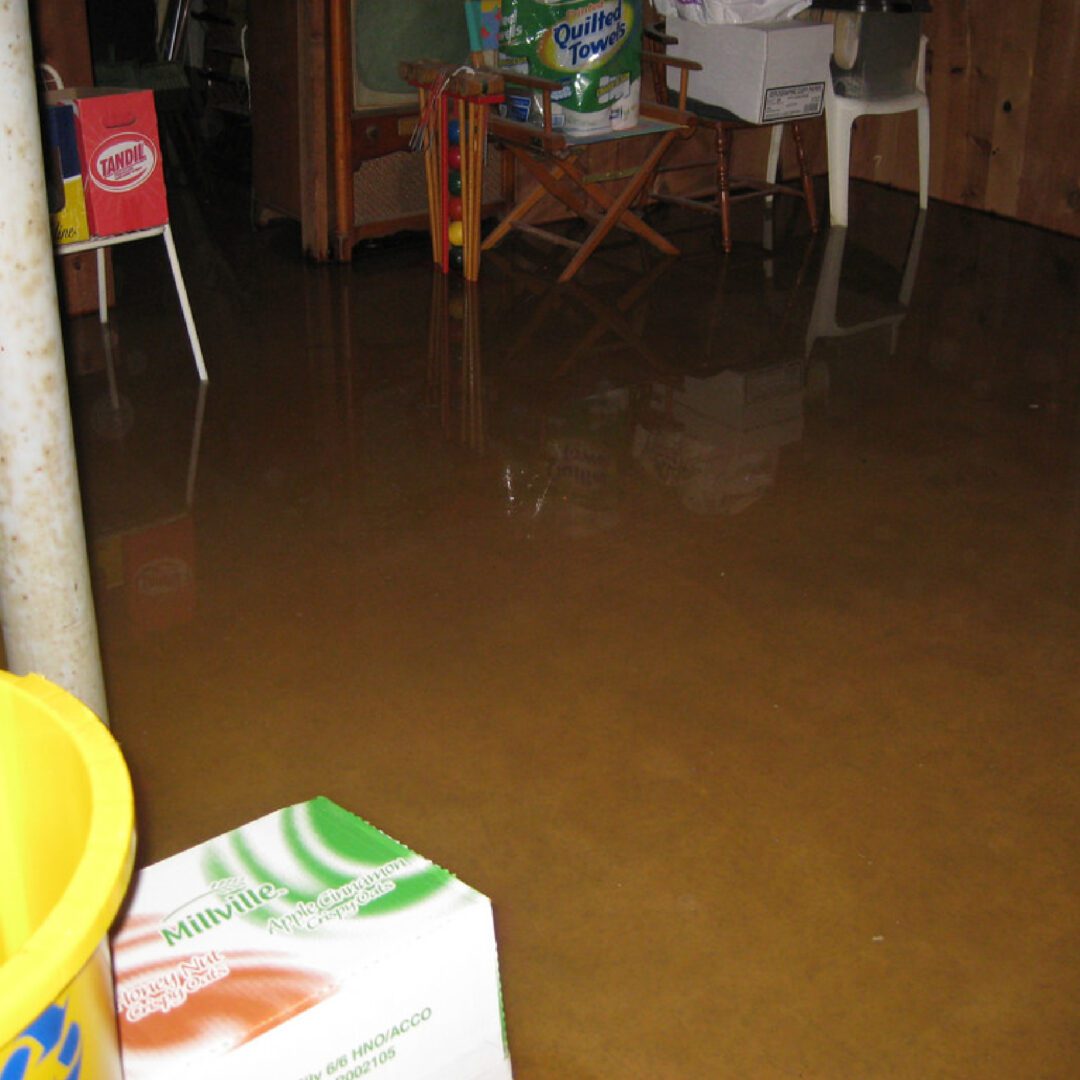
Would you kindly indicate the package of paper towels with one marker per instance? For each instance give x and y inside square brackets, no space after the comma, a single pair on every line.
[593,47]
[731,11]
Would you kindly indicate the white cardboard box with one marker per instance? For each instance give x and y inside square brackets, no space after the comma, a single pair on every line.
[761,72]
[307,945]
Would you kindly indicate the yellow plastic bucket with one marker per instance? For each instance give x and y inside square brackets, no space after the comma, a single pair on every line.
[66,852]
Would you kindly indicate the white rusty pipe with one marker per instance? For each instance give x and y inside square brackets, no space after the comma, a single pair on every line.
[46,605]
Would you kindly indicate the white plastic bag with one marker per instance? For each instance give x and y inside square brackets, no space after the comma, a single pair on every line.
[731,11]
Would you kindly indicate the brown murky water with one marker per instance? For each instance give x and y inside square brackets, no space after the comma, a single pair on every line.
[717,617]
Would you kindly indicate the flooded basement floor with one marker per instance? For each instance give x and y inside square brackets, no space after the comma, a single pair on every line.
[717,617]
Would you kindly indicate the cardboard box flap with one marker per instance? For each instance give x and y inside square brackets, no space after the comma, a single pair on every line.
[312,870]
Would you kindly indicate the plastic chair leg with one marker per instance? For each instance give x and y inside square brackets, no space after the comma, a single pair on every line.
[773,167]
[826,299]
[924,155]
[838,136]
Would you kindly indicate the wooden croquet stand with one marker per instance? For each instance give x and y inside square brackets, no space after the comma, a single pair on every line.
[448,94]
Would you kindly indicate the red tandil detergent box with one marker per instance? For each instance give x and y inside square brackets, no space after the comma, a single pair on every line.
[307,945]
[123,175]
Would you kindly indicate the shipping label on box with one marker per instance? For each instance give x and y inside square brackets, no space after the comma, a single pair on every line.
[63,171]
[307,945]
[123,174]
[761,72]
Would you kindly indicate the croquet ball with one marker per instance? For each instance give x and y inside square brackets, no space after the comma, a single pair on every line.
[453,132]
[457,233]
[454,183]
[457,257]
[453,156]
[453,208]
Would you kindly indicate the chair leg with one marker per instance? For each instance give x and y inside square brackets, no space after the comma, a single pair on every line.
[618,210]
[723,182]
[838,137]
[823,314]
[807,179]
[772,169]
[924,155]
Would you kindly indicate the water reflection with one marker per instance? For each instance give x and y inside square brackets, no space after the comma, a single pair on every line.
[593,398]
[575,475]
[149,555]
[611,311]
[716,441]
[883,312]
[454,365]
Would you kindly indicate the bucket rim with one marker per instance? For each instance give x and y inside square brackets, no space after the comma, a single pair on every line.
[65,941]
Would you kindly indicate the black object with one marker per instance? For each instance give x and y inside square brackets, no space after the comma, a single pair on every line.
[876,46]
[121,30]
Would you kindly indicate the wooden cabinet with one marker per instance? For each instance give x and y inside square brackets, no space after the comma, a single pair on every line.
[342,171]
[328,151]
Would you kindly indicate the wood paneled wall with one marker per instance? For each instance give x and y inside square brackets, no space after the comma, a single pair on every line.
[1004,88]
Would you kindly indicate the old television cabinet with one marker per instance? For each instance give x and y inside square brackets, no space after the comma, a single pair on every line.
[331,122]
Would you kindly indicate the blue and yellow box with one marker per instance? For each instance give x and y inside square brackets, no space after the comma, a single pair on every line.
[63,169]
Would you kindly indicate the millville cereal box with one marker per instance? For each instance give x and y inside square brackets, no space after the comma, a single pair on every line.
[307,945]
[67,207]
[123,175]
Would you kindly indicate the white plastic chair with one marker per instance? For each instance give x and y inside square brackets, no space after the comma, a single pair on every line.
[841,113]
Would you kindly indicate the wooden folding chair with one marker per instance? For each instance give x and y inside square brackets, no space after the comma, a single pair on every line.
[728,188]
[553,159]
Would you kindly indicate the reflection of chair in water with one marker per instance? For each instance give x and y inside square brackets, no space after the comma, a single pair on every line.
[823,318]
[621,321]
[784,303]
[748,310]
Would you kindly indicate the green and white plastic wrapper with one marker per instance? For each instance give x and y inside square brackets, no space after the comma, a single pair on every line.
[593,48]
[307,945]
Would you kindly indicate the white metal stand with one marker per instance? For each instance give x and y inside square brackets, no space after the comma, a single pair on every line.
[100,243]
